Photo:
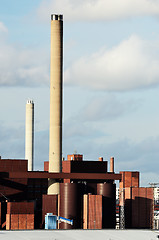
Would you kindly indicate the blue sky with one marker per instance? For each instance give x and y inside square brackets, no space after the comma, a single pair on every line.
[111,80]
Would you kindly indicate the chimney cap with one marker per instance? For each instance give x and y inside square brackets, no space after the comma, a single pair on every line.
[30,101]
[56,17]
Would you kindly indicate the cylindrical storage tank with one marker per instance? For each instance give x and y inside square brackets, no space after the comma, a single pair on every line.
[108,190]
[71,205]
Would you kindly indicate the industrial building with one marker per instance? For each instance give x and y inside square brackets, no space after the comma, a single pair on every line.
[87,196]
[156,207]
[75,189]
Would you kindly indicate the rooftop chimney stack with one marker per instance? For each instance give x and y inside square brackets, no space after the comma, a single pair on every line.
[100,159]
[29,134]
[56,86]
[112,164]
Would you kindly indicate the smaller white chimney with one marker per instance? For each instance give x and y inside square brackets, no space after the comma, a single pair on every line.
[29,134]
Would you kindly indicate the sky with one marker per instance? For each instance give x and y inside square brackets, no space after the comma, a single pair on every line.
[111,80]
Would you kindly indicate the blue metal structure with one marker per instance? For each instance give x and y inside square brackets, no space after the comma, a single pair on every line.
[61,219]
[51,221]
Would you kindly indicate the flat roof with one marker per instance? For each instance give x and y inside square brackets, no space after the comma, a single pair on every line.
[82,176]
[79,234]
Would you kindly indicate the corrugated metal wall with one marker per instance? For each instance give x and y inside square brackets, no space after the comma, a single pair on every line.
[108,191]
[142,207]
[49,205]
[138,207]
[20,215]
[92,214]
[19,221]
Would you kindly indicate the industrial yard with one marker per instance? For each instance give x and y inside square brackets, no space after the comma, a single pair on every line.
[72,193]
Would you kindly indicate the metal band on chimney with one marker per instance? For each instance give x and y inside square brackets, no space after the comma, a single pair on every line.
[57,17]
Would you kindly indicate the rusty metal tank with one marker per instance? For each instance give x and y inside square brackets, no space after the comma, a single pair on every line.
[71,204]
[108,191]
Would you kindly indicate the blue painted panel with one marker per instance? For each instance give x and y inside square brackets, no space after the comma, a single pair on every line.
[50,221]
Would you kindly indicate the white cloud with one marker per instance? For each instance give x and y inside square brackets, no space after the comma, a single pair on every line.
[22,66]
[149,177]
[93,10]
[130,65]
[106,108]
[3,28]
[129,155]
[11,141]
